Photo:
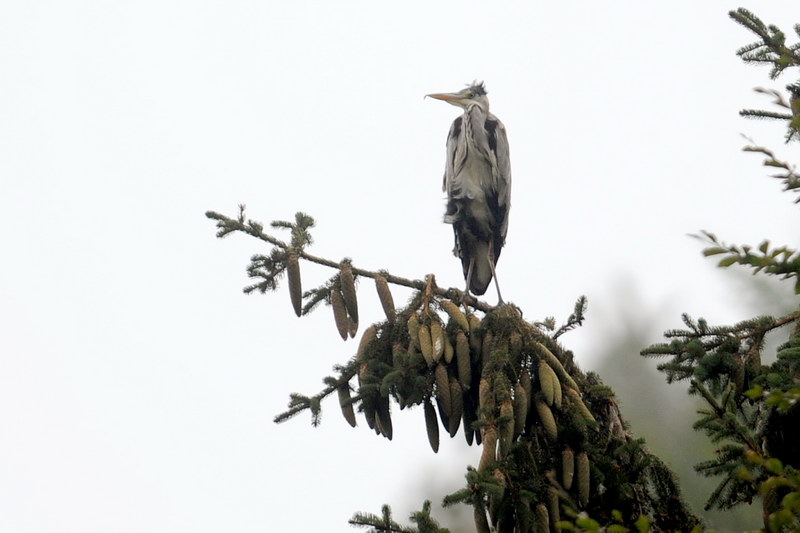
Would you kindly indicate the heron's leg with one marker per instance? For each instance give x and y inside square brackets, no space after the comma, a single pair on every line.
[494,275]
[496,284]
[465,296]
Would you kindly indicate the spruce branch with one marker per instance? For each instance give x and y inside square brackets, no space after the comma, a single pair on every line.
[760,114]
[575,319]
[724,412]
[385,523]
[781,261]
[299,403]
[771,46]
[789,176]
[518,393]
[791,116]
[772,49]
[270,267]
[724,363]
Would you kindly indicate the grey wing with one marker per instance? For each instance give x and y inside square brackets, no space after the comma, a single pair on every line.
[453,138]
[501,198]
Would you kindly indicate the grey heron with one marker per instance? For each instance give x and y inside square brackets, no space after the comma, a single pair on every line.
[477,180]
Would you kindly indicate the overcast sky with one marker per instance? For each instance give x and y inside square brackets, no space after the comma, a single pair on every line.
[137,382]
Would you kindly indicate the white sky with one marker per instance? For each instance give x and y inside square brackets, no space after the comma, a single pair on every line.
[137,383]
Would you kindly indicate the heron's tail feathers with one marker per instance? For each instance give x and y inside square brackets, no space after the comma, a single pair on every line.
[481,270]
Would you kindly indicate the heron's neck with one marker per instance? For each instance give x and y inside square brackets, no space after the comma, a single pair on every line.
[474,120]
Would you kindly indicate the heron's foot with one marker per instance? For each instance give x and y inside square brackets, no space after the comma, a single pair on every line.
[465,297]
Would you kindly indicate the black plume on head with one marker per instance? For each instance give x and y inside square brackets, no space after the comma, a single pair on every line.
[478,88]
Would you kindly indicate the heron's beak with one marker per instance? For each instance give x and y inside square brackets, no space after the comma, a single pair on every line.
[447,97]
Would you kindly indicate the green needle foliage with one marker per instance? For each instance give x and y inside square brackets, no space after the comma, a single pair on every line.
[771,49]
[385,524]
[751,411]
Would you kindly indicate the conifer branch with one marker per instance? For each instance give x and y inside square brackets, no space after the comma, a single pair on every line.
[782,261]
[771,48]
[790,178]
[721,412]
[261,265]
[725,369]
[299,403]
[757,113]
[575,319]
[385,523]
[724,363]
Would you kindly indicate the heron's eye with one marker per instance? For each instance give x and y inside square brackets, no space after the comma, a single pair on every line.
[470,94]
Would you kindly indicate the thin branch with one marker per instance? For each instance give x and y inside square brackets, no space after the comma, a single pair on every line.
[295,407]
[255,229]
[367,523]
[720,412]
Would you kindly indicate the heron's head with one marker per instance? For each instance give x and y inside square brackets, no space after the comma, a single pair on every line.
[474,94]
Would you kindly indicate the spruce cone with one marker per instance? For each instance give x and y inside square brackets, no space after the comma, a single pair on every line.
[456,314]
[567,467]
[496,499]
[431,425]
[347,406]
[463,361]
[443,391]
[426,344]
[469,417]
[442,415]
[385,296]
[489,452]
[384,418]
[527,385]
[520,408]
[547,382]
[542,519]
[369,413]
[369,335]
[348,284]
[449,351]
[556,365]
[554,507]
[583,477]
[437,340]
[456,406]
[575,398]
[548,420]
[339,313]
[295,285]
[557,393]
[475,341]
